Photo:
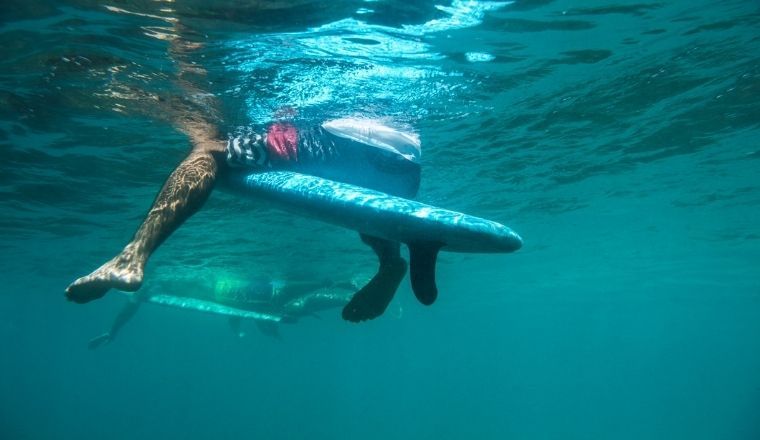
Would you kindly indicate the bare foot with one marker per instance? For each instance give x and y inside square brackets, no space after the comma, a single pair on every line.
[372,300]
[119,273]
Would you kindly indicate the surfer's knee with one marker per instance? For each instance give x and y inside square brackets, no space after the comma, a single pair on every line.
[215,147]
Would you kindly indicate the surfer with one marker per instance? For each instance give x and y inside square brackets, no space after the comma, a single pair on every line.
[278,302]
[357,151]
[362,152]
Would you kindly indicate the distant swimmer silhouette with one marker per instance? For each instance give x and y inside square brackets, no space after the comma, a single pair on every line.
[266,303]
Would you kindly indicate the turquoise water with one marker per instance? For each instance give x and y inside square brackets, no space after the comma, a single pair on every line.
[619,139]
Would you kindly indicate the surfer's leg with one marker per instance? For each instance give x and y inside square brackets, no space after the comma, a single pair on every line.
[186,188]
[422,258]
[126,313]
[268,328]
[234,323]
[372,299]
[183,193]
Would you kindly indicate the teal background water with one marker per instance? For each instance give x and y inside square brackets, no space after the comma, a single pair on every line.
[619,138]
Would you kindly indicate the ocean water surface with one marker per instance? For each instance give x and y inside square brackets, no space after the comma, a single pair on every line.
[620,139]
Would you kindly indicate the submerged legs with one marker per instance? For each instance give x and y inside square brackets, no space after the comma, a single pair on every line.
[372,299]
[184,192]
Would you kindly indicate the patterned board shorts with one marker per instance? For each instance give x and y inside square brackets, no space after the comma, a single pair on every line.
[357,151]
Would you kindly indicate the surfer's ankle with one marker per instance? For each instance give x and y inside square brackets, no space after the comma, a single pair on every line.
[131,259]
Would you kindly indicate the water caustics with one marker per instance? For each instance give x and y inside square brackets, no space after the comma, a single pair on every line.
[349,66]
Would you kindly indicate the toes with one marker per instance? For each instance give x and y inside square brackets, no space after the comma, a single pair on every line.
[372,299]
[109,276]
[85,291]
[77,297]
[352,313]
[348,315]
[359,309]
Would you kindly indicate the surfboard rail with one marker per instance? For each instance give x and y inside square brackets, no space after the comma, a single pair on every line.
[376,213]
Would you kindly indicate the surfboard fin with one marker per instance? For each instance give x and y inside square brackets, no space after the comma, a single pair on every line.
[422,258]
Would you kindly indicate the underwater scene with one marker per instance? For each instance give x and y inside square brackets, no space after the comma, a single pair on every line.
[619,139]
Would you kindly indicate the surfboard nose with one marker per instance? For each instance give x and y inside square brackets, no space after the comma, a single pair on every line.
[511,241]
[478,235]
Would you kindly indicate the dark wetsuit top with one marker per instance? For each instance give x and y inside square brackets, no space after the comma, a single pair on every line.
[316,151]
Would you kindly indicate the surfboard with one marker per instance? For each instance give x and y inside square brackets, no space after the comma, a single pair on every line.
[376,213]
[183,302]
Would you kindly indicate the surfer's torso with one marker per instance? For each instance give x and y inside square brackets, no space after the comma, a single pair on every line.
[356,151]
